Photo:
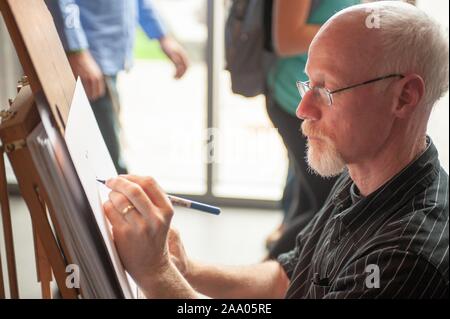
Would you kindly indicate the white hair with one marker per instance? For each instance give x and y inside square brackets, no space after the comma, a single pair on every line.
[327,162]
[412,42]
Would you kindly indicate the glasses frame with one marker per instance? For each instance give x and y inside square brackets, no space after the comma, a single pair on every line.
[304,87]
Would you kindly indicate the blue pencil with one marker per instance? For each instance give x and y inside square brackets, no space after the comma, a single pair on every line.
[182,202]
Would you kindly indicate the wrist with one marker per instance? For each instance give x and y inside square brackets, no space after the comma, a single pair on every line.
[155,280]
[192,270]
[77,51]
[163,38]
[165,42]
[168,283]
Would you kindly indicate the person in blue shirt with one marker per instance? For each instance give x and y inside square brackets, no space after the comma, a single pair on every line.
[98,37]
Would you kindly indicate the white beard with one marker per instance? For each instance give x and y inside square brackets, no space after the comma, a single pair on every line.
[324,159]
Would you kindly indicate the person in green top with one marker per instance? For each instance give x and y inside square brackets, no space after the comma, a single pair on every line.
[294,25]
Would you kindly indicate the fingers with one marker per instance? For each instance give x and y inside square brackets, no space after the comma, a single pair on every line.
[152,190]
[95,86]
[130,192]
[176,54]
[181,64]
[99,87]
[122,205]
[114,216]
[84,66]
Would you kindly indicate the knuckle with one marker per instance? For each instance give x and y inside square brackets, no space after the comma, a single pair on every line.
[164,217]
[134,190]
[122,201]
[168,213]
[149,182]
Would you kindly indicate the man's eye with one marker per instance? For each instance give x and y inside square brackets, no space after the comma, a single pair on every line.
[317,84]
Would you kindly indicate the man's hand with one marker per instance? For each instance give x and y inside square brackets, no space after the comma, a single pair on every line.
[178,254]
[176,54]
[140,214]
[84,66]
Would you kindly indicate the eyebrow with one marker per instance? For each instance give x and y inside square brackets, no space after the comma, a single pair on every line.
[329,77]
[309,78]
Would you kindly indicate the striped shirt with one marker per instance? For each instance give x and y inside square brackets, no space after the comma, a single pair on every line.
[390,244]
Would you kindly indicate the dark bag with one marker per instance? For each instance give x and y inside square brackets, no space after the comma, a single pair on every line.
[248,45]
[247,60]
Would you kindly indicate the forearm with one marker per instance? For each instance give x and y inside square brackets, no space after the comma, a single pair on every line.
[262,281]
[297,41]
[292,32]
[168,284]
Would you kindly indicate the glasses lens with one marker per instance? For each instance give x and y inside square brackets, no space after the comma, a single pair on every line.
[303,88]
[321,95]
[325,96]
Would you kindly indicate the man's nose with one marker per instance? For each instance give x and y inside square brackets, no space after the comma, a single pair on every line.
[307,108]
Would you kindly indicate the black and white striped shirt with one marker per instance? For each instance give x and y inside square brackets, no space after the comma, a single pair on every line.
[391,244]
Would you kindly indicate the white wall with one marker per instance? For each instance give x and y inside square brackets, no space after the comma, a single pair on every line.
[439,123]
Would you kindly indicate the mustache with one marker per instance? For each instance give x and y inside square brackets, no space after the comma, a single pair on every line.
[308,129]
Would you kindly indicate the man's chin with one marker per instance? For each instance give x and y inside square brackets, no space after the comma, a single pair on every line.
[323,161]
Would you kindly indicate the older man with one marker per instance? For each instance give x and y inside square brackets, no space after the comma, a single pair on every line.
[383,232]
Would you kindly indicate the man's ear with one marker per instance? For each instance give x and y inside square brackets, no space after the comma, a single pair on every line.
[411,90]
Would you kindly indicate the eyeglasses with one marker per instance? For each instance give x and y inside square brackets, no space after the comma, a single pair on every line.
[326,95]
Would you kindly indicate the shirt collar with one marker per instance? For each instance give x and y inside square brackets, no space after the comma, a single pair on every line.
[419,174]
[355,195]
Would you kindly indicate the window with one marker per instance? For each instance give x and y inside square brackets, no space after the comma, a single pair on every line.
[165,121]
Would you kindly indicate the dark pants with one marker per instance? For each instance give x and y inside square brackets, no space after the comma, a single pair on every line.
[106,110]
[309,191]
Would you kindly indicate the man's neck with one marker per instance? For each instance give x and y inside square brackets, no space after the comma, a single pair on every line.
[375,172]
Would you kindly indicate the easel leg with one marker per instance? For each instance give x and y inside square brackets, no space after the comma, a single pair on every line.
[8,233]
[43,268]
[2,285]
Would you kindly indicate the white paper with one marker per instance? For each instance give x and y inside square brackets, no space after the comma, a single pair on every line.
[91,159]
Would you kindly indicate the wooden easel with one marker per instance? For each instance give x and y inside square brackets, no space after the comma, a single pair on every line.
[21,119]
[49,74]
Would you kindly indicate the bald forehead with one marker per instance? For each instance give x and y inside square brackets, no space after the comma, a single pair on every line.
[345,45]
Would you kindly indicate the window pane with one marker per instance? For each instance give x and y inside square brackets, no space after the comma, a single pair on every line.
[252,161]
[164,119]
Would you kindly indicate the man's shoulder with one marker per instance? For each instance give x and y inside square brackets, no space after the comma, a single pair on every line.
[417,226]
[422,231]
[425,219]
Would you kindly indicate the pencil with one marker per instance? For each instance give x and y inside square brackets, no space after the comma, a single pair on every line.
[186,203]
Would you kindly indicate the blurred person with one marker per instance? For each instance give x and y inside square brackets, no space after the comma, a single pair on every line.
[294,24]
[383,231]
[98,37]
